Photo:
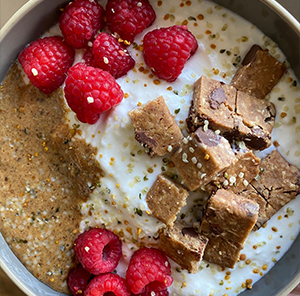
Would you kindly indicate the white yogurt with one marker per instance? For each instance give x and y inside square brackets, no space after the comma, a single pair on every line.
[119,201]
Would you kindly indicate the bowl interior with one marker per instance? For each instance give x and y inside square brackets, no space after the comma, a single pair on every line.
[37,15]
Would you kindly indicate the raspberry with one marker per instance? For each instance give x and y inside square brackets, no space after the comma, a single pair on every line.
[46,62]
[80,22]
[90,91]
[111,56]
[107,284]
[166,51]
[98,250]
[88,58]
[129,17]
[78,279]
[149,271]
[152,293]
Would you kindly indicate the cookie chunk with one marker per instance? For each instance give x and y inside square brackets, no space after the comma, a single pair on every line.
[183,245]
[258,73]
[227,221]
[155,127]
[201,156]
[254,121]
[165,199]
[235,114]
[237,177]
[266,211]
[213,101]
[277,184]
[279,181]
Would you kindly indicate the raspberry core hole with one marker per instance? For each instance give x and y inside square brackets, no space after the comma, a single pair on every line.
[109,294]
[106,253]
[152,286]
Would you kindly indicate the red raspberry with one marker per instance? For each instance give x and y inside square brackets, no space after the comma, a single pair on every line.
[166,51]
[80,22]
[107,284]
[88,58]
[129,17]
[78,279]
[90,91]
[149,270]
[98,250]
[46,62]
[111,56]
[160,293]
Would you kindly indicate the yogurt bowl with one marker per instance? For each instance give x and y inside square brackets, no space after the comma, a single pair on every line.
[37,16]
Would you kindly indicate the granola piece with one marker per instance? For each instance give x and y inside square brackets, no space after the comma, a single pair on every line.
[201,156]
[165,199]
[237,176]
[227,221]
[254,121]
[278,182]
[213,101]
[265,209]
[183,245]
[155,127]
[258,73]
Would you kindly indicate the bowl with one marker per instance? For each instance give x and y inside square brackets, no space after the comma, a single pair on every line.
[37,15]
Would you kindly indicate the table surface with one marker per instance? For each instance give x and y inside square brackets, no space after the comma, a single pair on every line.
[7,9]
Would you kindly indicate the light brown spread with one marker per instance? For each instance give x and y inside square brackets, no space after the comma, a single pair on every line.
[39,213]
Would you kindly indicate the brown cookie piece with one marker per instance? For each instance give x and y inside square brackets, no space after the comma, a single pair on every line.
[276,185]
[183,245]
[201,156]
[234,114]
[258,74]
[237,176]
[254,121]
[227,221]
[213,101]
[266,211]
[165,199]
[155,127]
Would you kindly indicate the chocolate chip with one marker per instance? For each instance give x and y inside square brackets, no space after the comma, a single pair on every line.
[217,97]
[251,55]
[189,231]
[144,139]
[208,138]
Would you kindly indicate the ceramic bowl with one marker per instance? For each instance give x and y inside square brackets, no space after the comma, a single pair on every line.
[38,15]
